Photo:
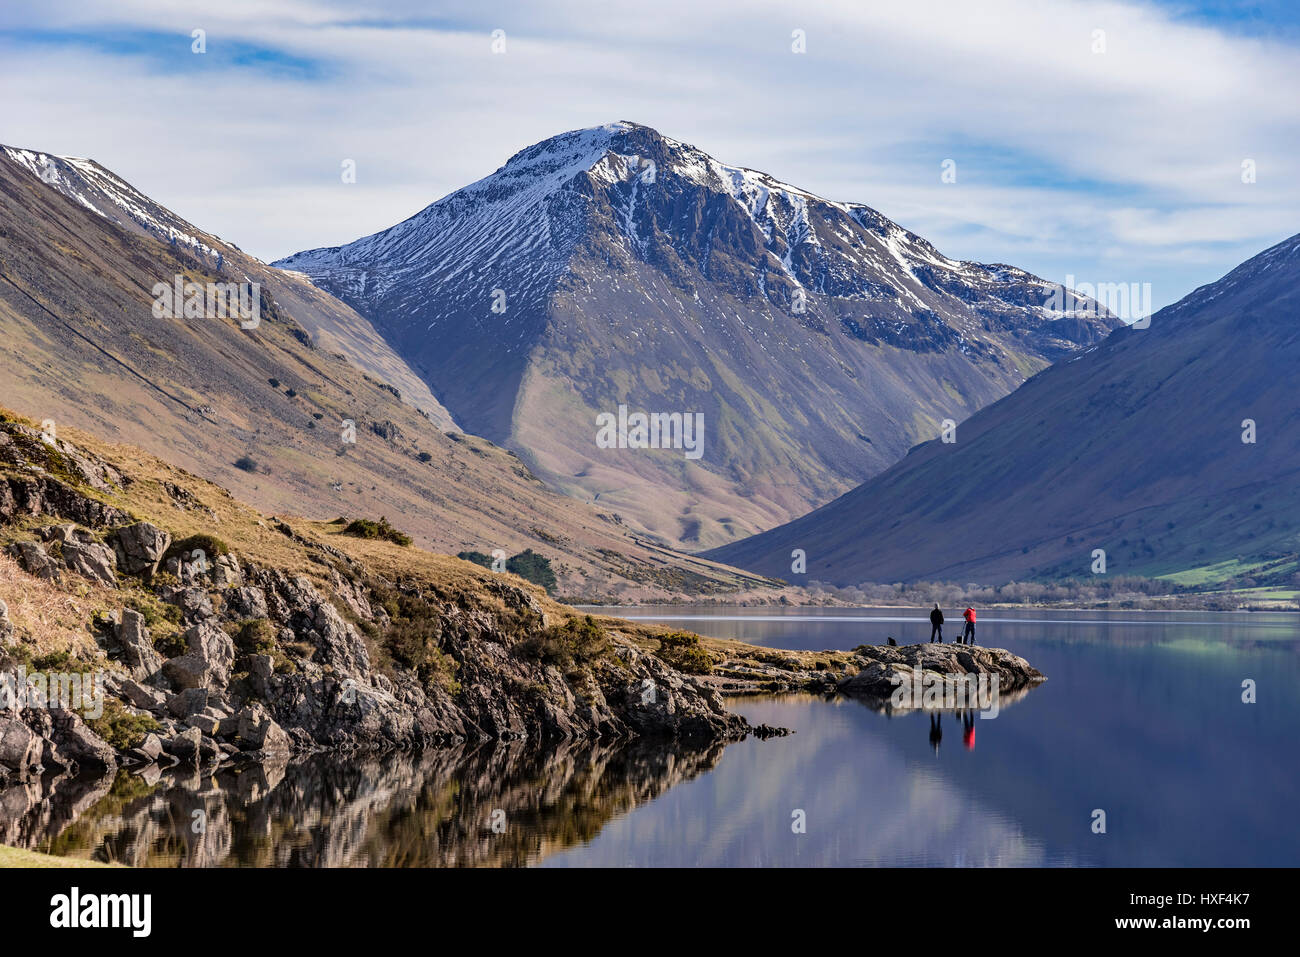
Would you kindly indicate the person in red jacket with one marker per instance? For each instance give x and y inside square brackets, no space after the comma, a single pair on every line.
[968,636]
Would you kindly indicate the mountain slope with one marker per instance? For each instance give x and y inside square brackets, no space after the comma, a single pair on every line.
[263,412]
[818,340]
[332,325]
[1135,447]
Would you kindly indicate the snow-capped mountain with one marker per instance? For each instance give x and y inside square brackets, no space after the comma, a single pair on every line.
[616,266]
[332,324]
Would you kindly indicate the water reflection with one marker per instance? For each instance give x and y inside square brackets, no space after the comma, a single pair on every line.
[494,805]
[1141,716]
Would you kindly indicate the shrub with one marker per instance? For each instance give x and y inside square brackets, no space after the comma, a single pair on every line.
[577,641]
[478,558]
[365,528]
[413,639]
[256,637]
[120,727]
[246,463]
[682,651]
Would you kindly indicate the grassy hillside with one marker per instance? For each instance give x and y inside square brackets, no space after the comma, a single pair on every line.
[266,412]
[1134,448]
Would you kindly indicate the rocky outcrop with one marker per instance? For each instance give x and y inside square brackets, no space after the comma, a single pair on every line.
[471,665]
[935,675]
[140,547]
[138,652]
[20,747]
[34,560]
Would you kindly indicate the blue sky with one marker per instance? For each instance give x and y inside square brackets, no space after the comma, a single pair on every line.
[1119,164]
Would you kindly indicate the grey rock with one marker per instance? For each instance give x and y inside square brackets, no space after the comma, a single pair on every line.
[140,547]
[188,671]
[20,747]
[185,745]
[258,732]
[208,725]
[214,646]
[226,573]
[141,658]
[34,560]
[246,602]
[187,702]
[142,696]
[93,561]
[151,747]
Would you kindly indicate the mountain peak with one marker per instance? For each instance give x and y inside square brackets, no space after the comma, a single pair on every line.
[702,287]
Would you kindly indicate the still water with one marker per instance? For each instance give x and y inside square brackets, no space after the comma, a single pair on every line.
[1142,718]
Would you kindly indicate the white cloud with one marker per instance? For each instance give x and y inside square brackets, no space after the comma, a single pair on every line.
[1066,158]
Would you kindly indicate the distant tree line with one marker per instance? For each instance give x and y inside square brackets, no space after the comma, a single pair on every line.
[1114,591]
[527,565]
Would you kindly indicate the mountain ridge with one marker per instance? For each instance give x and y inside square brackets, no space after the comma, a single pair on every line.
[1164,448]
[288,426]
[820,339]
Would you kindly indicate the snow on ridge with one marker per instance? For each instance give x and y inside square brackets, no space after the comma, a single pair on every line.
[103,193]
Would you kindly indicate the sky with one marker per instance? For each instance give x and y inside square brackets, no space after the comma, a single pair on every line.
[1099,141]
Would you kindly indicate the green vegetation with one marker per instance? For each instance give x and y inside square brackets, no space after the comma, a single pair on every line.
[532,567]
[256,636]
[528,565]
[1225,571]
[413,638]
[211,547]
[365,528]
[682,651]
[247,463]
[120,727]
[578,641]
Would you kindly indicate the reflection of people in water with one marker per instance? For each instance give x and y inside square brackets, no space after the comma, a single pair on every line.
[936,731]
[968,730]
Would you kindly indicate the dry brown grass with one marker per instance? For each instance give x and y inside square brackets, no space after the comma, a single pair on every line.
[59,617]
[53,618]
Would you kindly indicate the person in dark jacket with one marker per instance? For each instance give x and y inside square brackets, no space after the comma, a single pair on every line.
[968,636]
[936,624]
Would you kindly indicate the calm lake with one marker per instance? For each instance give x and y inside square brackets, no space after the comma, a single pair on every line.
[1141,717]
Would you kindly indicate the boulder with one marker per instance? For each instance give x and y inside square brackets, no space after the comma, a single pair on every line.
[214,646]
[34,560]
[188,702]
[150,747]
[142,696]
[246,602]
[91,560]
[141,658]
[208,725]
[258,732]
[20,747]
[195,603]
[76,742]
[140,547]
[226,573]
[188,671]
[185,745]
